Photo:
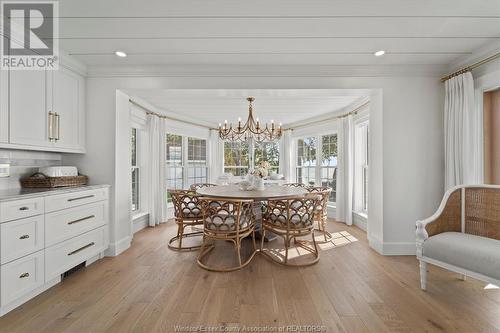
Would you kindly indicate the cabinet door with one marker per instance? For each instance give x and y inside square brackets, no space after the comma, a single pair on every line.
[28,113]
[67,103]
[4,106]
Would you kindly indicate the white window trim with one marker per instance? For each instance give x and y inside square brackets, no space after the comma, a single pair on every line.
[142,160]
[360,122]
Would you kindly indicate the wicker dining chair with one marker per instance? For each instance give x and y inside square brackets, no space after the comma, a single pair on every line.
[228,220]
[294,185]
[196,186]
[291,218]
[187,213]
[321,212]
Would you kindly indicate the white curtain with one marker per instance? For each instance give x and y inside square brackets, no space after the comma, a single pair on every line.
[463,133]
[345,172]
[216,155]
[157,187]
[287,156]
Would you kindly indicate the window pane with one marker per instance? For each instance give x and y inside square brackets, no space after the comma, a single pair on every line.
[306,175]
[174,149]
[267,152]
[306,152]
[197,151]
[196,175]
[236,158]
[133,145]
[135,189]
[329,164]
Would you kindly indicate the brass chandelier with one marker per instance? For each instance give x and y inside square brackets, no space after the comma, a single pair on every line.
[252,129]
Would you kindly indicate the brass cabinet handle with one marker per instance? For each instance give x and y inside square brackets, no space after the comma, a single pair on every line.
[24,237]
[24,208]
[82,219]
[81,249]
[58,126]
[51,125]
[80,198]
[24,275]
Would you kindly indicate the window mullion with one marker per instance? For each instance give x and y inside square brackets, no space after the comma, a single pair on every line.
[319,159]
[184,160]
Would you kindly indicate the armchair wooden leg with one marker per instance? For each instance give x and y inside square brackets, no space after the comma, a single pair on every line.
[423,275]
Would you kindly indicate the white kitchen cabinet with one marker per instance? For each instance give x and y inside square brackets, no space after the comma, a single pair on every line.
[4,106]
[66,99]
[28,115]
[42,110]
[46,234]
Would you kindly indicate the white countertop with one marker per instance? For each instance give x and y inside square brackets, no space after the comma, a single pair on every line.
[24,193]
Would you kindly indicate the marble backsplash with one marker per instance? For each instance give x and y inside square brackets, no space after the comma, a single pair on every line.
[24,163]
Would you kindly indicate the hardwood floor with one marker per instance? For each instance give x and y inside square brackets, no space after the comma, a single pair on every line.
[352,289]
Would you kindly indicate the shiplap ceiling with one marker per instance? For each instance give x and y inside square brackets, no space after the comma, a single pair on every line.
[288,106]
[279,32]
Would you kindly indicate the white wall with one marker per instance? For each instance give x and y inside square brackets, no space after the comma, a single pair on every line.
[406,140]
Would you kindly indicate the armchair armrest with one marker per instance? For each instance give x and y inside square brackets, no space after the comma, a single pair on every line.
[446,218]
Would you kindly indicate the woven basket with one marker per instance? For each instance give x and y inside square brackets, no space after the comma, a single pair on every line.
[39,180]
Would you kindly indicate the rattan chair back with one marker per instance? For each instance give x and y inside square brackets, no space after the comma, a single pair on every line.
[197,186]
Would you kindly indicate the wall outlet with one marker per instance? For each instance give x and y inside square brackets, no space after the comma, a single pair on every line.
[4,170]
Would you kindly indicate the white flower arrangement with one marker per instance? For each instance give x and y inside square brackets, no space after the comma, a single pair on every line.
[262,170]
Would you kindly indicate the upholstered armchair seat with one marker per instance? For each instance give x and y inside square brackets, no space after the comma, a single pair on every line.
[470,252]
[463,235]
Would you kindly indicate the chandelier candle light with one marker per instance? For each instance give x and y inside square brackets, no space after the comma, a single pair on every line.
[251,129]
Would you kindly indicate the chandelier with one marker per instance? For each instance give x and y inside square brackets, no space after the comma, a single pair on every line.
[252,129]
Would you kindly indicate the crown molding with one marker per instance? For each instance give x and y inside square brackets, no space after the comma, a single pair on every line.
[266,71]
[478,55]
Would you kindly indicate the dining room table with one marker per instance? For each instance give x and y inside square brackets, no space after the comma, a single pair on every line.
[233,191]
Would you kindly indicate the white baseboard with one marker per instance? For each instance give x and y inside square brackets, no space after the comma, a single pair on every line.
[393,248]
[140,222]
[376,244]
[117,248]
[359,221]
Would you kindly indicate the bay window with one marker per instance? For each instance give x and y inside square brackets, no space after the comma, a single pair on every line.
[267,152]
[317,162]
[306,160]
[240,157]
[186,161]
[236,159]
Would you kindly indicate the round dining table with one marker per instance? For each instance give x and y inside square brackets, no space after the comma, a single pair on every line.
[270,192]
[234,192]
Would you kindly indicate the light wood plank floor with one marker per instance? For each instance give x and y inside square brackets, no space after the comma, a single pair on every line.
[352,289]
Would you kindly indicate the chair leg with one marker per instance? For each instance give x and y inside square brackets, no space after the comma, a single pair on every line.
[287,245]
[181,233]
[238,251]
[262,236]
[323,226]
[315,244]
[423,275]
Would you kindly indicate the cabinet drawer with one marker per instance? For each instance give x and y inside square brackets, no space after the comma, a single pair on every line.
[63,256]
[18,209]
[73,199]
[21,237]
[22,276]
[68,223]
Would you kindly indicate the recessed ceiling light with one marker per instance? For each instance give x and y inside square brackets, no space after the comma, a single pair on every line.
[121,54]
[379,53]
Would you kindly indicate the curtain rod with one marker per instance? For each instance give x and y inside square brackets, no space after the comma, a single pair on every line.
[353,112]
[471,67]
[148,111]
